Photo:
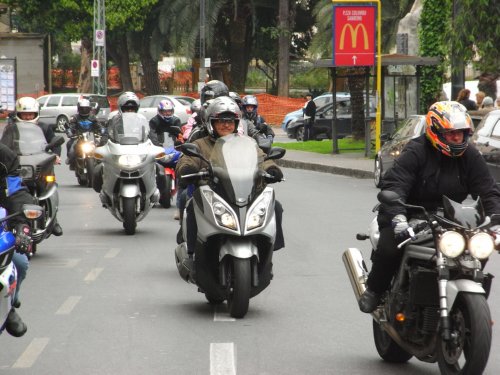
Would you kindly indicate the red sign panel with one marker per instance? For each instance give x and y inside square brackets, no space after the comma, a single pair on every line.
[353,35]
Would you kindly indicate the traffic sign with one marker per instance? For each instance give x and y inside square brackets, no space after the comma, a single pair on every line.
[354,35]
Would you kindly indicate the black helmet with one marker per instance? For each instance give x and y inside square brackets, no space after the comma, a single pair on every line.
[213,89]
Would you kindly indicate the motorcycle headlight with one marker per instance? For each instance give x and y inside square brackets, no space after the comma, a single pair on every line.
[481,245]
[223,214]
[451,244]
[87,147]
[256,216]
[130,160]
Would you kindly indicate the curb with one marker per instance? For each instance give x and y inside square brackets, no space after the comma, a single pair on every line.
[324,168]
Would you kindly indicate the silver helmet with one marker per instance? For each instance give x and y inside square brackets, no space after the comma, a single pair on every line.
[222,107]
[127,102]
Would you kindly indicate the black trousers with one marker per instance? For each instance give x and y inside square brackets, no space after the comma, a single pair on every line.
[385,261]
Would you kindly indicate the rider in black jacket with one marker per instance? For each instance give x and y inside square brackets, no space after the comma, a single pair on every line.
[82,121]
[440,162]
[164,122]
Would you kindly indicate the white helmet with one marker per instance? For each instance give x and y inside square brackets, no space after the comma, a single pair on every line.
[27,105]
[222,107]
[128,101]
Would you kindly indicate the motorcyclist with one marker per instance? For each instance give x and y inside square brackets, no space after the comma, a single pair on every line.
[194,122]
[13,195]
[84,120]
[164,122]
[127,102]
[223,116]
[439,162]
[250,107]
[28,110]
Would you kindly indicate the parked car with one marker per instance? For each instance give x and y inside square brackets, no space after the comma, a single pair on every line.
[486,138]
[393,144]
[182,107]
[57,109]
[320,101]
[322,127]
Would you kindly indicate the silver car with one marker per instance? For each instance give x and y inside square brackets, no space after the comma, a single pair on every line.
[182,106]
[57,109]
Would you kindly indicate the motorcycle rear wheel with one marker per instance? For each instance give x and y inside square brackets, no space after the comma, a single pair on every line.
[165,197]
[387,348]
[470,319]
[239,278]
[129,223]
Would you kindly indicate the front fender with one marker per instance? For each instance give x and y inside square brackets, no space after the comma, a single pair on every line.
[453,287]
[129,191]
[51,191]
[239,248]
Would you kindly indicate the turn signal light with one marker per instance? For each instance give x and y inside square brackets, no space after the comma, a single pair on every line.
[50,178]
[400,317]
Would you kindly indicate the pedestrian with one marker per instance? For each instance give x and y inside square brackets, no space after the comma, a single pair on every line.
[497,103]
[480,95]
[309,111]
[464,99]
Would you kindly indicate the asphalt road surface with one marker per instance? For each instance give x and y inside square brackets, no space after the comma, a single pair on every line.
[97,301]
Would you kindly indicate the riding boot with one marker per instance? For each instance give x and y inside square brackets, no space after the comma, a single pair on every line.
[14,325]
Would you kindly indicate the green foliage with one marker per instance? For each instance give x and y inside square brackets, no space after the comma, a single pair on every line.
[324,146]
[432,31]
[313,79]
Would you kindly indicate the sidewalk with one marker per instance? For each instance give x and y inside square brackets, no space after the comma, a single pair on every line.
[348,164]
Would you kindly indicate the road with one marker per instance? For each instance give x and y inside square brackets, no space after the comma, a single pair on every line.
[97,301]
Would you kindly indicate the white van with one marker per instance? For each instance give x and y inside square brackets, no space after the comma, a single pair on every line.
[57,109]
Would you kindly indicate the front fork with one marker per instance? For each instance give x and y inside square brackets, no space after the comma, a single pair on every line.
[443,276]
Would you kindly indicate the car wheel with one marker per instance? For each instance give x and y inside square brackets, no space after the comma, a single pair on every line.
[299,134]
[377,172]
[61,124]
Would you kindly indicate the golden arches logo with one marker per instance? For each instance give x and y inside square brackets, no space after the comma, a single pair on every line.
[354,35]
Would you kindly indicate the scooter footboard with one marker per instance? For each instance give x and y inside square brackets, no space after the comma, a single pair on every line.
[356,270]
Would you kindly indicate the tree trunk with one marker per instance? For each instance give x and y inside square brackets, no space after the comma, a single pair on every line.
[240,48]
[84,79]
[356,81]
[284,48]
[118,50]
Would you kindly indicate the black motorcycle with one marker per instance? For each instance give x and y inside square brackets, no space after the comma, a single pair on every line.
[84,164]
[37,171]
[436,308]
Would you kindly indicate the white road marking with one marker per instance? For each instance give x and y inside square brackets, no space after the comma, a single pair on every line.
[112,252]
[31,353]
[68,305]
[93,274]
[222,359]
[222,316]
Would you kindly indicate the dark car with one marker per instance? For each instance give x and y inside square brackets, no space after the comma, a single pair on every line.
[486,138]
[412,127]
[322,127]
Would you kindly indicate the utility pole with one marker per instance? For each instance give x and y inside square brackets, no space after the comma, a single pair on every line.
[98,64]
[457,62]
[203,69]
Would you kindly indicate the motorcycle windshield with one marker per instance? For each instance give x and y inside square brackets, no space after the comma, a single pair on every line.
[235,163]
[467,216]
[129,128]
[28,139]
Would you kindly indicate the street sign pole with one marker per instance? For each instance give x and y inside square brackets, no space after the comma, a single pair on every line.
[354,18]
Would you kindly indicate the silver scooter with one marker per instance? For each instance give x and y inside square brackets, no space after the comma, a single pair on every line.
[236,224]
[128,170]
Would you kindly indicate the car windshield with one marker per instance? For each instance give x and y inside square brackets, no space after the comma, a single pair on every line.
[235,163]
[129,128]
[28,139]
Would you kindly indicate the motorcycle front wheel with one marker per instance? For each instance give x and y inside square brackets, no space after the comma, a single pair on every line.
[470,321]
[387,348]
[239,280]
[165,197]
[129,222]
[89,164]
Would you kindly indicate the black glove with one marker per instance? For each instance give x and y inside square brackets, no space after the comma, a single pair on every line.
[188,169]
[23,238]
[275,172]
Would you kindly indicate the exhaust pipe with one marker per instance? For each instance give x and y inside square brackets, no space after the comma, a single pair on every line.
[356,270]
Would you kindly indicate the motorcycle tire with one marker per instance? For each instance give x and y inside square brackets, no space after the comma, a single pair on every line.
[81,178]
[89,164]
[165,197]
[129,223]
[213,301]
[470,318]
[387,348]
[239,279]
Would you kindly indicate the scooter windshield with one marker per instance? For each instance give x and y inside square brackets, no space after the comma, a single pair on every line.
[28,138]
[235,164]
[129,128]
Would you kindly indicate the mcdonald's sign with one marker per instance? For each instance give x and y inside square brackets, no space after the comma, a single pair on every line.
[354,35]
